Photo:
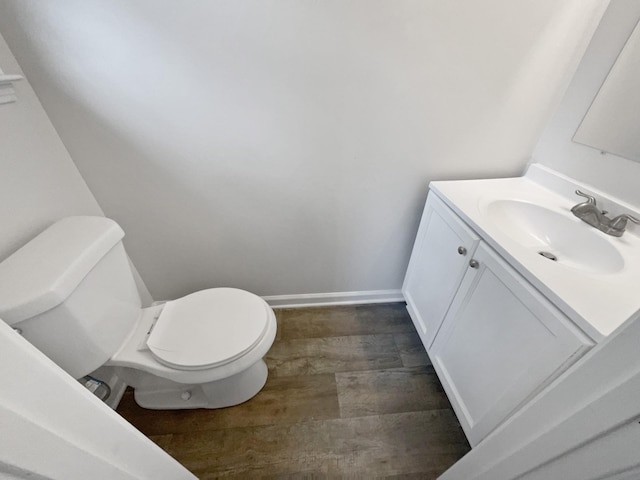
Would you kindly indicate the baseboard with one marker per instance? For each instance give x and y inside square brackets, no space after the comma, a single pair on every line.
[335,298]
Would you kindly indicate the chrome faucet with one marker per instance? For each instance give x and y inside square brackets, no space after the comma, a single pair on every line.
[588,212]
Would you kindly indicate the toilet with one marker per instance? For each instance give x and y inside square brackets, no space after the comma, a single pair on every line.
[70,292]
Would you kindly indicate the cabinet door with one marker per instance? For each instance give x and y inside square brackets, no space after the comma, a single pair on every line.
[500,343]
[438,262]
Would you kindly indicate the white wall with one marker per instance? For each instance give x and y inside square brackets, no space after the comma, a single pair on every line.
[286,146]
[610,173]
[39,183]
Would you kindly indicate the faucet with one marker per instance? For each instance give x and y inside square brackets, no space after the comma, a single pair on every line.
[588,212]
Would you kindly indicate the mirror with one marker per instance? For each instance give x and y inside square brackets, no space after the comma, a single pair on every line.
[612,123]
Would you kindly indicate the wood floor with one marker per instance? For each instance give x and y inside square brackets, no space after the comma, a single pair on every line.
[350,393]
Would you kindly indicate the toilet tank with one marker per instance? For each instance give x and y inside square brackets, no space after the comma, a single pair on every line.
[71,293]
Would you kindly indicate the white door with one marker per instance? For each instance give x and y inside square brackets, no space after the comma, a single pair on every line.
[500,343]
[438,262]
[51,427]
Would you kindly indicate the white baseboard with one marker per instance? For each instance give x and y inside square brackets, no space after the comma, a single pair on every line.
[335,298]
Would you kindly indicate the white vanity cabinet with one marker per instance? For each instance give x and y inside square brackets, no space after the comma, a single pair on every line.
[500,341]
[439,260]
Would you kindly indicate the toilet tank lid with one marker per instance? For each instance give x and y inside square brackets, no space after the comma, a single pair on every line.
[44,272]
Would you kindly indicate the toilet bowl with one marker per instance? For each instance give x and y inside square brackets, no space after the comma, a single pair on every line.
[204,350]
[71,293]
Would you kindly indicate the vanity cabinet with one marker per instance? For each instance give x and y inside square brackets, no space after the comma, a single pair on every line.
[494,340]
[443,246]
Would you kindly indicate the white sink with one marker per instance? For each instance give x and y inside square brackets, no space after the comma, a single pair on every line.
[556,234]
[596,276]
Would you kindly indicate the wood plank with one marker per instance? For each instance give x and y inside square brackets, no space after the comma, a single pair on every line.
[163,441]
[390,391]
[283,400]
[312,356]
[319,322]
[398,423]
[394,314]
[411,349]
[426,442]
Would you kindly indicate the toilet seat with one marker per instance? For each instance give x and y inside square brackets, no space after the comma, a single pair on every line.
[208,328]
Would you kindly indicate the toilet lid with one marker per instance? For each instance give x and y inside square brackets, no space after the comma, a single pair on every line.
[208,328]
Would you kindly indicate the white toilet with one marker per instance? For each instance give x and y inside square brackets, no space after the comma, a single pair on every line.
[71,293]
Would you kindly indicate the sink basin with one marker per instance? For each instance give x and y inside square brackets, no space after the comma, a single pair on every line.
[558,236]
[595,279]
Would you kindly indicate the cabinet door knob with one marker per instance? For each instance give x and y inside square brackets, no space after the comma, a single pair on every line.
[462,250]
[473,263]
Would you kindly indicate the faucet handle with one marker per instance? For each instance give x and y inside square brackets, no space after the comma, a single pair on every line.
[591,200]
[620,222]
[632,218]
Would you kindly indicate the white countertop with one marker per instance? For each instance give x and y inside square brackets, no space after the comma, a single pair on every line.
[597,302]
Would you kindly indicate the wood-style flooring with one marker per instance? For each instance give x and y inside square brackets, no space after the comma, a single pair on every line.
[351,393]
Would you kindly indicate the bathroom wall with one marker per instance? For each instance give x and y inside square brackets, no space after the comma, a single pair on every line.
[39,183]
[607,172]
[286,146]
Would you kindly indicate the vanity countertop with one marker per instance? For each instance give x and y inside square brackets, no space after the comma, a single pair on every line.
[596,277]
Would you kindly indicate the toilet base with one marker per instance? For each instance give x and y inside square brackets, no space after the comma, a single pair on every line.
[161,394]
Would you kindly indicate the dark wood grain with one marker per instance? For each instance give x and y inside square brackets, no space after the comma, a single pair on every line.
[392,390]
[312,356]
[283,400]
[350,394]
[381,445]
[320,322]
[411,349]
